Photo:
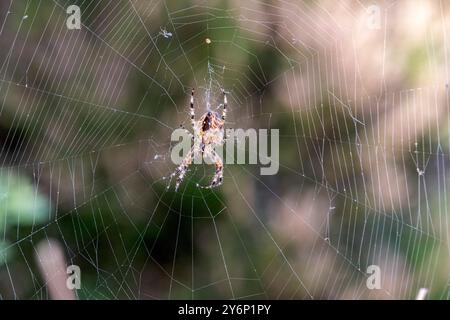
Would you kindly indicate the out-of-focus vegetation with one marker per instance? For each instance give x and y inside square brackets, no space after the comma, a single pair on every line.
[85,123]
[20,205]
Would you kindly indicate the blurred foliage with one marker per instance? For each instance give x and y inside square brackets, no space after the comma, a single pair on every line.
[21,205]
[90,109]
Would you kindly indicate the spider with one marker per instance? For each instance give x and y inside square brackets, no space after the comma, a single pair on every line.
[208,132]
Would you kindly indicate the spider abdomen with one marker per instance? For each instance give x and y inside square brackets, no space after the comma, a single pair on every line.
[210,128]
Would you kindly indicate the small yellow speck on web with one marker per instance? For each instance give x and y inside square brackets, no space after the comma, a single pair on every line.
[208,40]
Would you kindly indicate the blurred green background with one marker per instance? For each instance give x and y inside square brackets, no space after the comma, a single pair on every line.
[359,94]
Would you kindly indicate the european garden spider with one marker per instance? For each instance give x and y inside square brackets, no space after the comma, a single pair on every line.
[208,132]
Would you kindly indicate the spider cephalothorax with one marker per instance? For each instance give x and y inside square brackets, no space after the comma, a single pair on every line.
[208,133]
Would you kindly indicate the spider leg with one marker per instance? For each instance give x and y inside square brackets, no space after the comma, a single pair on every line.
[192,112]
[225,105]
[218,176]
[182,169]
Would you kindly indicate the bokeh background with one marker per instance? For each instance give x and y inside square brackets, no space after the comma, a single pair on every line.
[358,90]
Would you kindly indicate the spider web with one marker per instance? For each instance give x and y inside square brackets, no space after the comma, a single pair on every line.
[86,118]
